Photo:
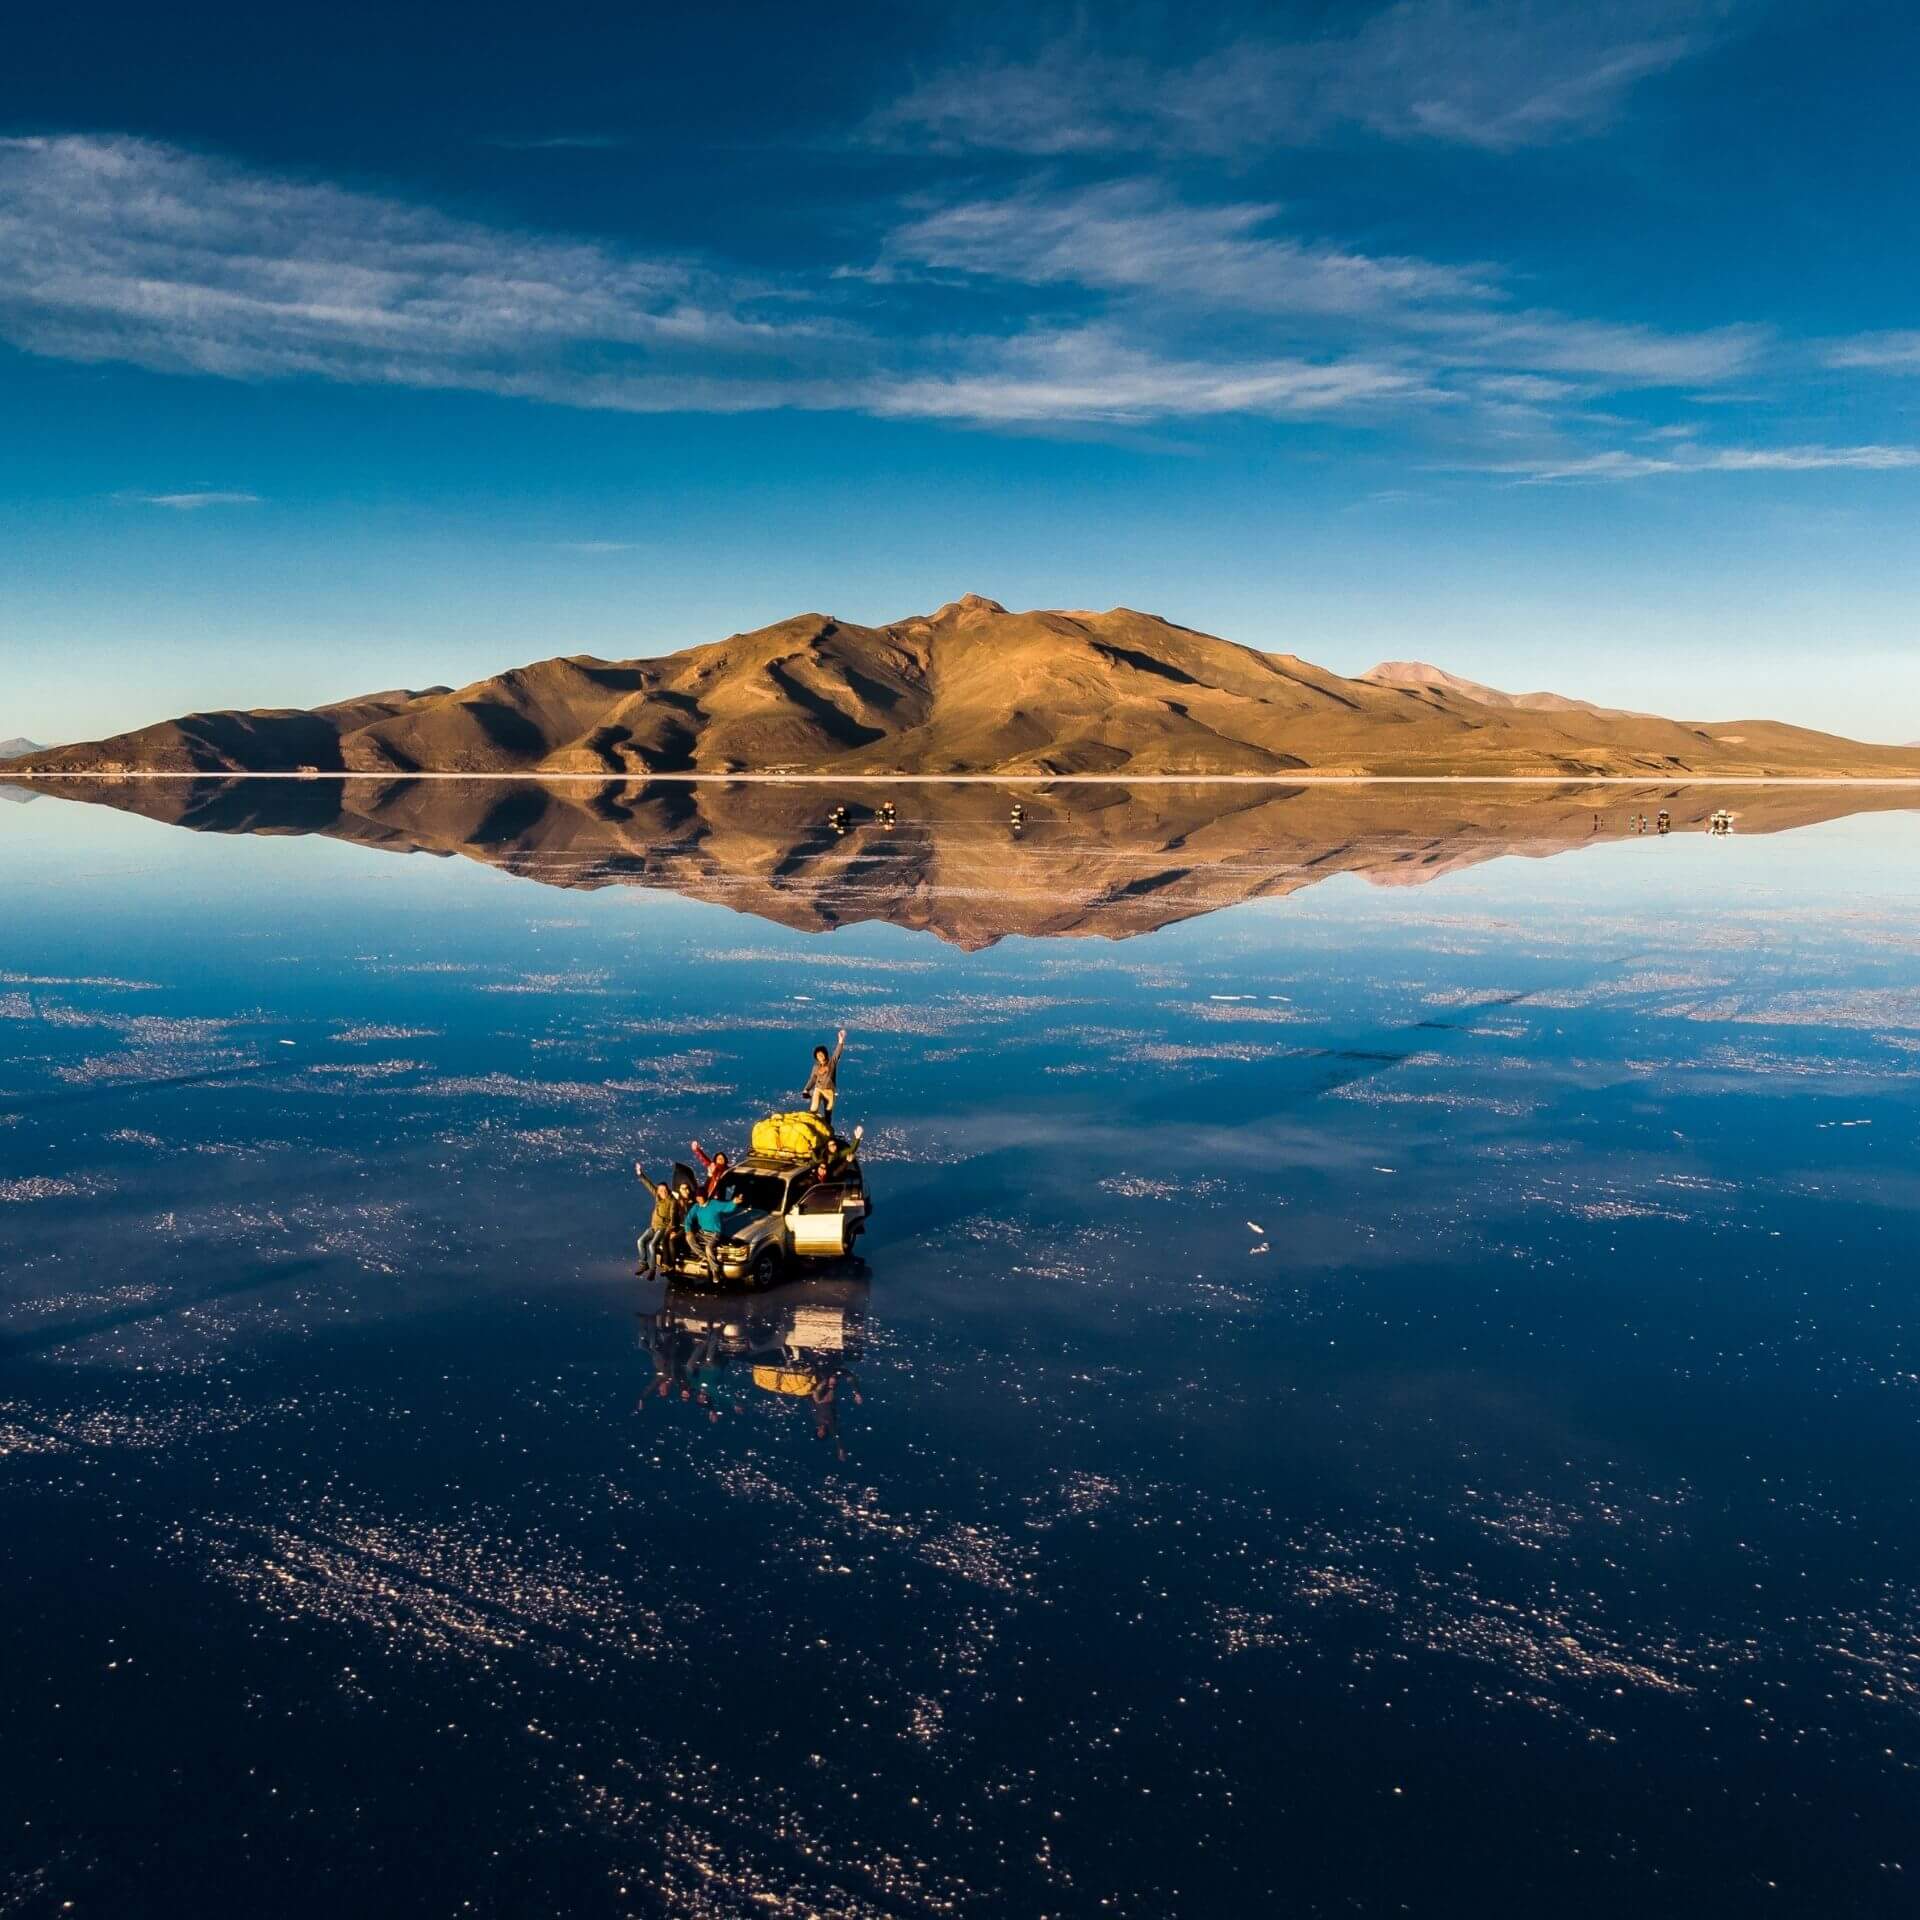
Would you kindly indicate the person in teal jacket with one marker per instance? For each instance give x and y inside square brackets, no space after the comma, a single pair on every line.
[711,1221]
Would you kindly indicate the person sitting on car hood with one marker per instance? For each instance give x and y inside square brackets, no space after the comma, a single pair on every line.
[667,1209]
[714,1216]
[712,1221]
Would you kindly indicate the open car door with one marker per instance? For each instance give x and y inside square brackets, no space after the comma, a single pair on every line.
[818,1222]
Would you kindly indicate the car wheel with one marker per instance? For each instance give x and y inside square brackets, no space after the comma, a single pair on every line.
[765,1271]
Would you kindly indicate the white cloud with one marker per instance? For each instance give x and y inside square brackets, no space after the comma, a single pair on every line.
[1090,375]
[194,502]
[1618,465]
[1525,389]
[122,249]
[561,143]
[1616,355]
[1811,459]
[1507,73]
[1118,304]
[1134,236]
[1883,352]
[1494,74]
[1168,267]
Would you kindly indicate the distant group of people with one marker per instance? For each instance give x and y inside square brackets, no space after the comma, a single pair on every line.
[697,1213]
[1663,822]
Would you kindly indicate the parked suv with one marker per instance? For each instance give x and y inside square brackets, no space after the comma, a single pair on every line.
[799,1221]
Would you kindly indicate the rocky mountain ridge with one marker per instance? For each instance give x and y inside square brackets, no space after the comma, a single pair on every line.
[970,689]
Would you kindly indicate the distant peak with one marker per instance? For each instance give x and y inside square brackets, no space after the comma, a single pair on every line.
[1416,673]
[970,603]
[1419,673]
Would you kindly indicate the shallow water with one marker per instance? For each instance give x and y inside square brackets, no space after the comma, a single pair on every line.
[1373,1397]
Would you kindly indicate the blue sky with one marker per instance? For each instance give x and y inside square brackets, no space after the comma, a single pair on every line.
[1569,346]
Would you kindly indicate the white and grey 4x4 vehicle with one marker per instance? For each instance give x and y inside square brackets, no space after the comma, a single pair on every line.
[792,1220]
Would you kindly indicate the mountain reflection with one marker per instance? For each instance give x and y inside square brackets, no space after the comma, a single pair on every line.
[971,864]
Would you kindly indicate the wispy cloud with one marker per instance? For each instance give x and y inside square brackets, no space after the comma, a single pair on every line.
[1091,375]
[1526,389]
[1616,464]
[1211,309]
[193,502]
[1119,305]
[123,249]
[1155,252]
[561,142]
[1879,352]
[1493,74]
[1612,354]
[1136,236]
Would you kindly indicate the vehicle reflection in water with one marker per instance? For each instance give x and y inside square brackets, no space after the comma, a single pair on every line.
[795,1345]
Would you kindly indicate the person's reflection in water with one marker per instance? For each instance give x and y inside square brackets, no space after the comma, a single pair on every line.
[707,1382]
[826,1405]
[667,1347]
[686,1360]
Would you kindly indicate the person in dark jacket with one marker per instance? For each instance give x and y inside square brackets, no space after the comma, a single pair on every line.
[823,1082]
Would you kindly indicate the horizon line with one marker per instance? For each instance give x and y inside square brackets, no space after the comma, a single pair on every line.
[1032,779]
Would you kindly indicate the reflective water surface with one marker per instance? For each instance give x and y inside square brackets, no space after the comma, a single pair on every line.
[1359,1397]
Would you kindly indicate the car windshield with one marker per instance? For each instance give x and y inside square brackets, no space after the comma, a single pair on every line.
[763,1192]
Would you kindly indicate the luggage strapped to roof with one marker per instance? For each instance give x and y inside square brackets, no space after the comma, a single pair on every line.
[792,1136]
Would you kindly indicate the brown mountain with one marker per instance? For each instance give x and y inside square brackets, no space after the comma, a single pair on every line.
[971,689]
[1094,858]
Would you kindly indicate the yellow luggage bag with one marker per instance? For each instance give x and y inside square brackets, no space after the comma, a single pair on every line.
[788,1380]
[791,1135]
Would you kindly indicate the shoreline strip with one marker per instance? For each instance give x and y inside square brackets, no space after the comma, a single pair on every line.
[1846,780]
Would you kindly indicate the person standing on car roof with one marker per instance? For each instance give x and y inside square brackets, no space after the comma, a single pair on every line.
[823,1082]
